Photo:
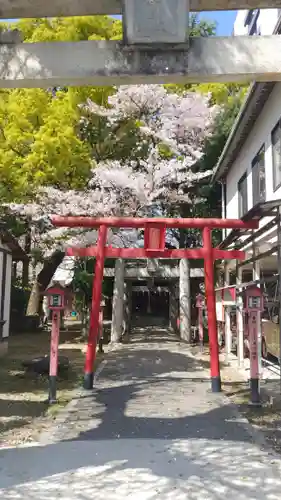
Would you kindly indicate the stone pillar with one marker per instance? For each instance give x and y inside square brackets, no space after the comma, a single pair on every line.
[173,307]
[185,303]
[127,309]
[118,301]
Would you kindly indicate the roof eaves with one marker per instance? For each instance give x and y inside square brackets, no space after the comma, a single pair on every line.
[17,251]
[253,104]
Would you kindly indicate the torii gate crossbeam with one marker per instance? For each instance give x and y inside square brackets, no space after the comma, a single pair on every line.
[154,246]
[18,9]
[213,59]
[156,47]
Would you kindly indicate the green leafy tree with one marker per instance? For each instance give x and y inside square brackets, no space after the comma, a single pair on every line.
[39,144]
[39,141]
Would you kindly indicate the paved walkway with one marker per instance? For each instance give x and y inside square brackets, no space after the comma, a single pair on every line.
[150,430]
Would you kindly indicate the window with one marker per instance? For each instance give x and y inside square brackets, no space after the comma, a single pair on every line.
[276,155]
[242,196]
[248,17]
[250,22]
[258,176]
[275,315]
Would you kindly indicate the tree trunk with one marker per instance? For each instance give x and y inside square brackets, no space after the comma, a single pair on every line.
[25,264]
[42,281]
[34,300]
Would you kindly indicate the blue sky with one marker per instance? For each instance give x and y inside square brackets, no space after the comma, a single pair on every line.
[224,20]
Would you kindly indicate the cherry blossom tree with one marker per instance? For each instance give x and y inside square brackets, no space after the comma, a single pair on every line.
[48,244]
[157,175]
[167,180]
[173,130]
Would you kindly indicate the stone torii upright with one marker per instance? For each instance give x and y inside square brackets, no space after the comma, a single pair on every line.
[156,47]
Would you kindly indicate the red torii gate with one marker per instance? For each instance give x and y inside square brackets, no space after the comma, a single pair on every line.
[154,246]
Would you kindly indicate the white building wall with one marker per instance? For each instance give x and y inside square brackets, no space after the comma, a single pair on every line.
[260,134]
[266,22]
[7,291]
[239,29]
[7,301]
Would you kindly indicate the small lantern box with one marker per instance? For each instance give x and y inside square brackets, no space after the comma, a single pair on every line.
[253,299]
[56,298]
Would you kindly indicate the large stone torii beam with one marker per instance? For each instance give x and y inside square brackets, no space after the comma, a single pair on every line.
[16,9]
[214,59]
[156,48]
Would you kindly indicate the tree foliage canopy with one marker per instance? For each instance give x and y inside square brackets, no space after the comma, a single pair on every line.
[39,144]
[69,142]
[40,131]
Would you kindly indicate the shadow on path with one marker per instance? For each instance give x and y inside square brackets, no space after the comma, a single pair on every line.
[150,430]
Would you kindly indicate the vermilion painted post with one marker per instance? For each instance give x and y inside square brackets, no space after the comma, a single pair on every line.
[211,310]
[143,253]
[54,357]
[95,309]
[137,222]
[254,358]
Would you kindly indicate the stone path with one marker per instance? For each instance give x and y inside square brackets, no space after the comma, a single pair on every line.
[150,430]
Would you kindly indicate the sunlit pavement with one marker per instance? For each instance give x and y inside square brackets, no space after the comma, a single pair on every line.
[150,430]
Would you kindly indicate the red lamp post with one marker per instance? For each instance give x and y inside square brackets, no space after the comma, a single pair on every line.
[253,305]
[56,302]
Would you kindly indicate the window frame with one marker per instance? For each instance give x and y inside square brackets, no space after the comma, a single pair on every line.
[243,178]
[256,164]
[274,184]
